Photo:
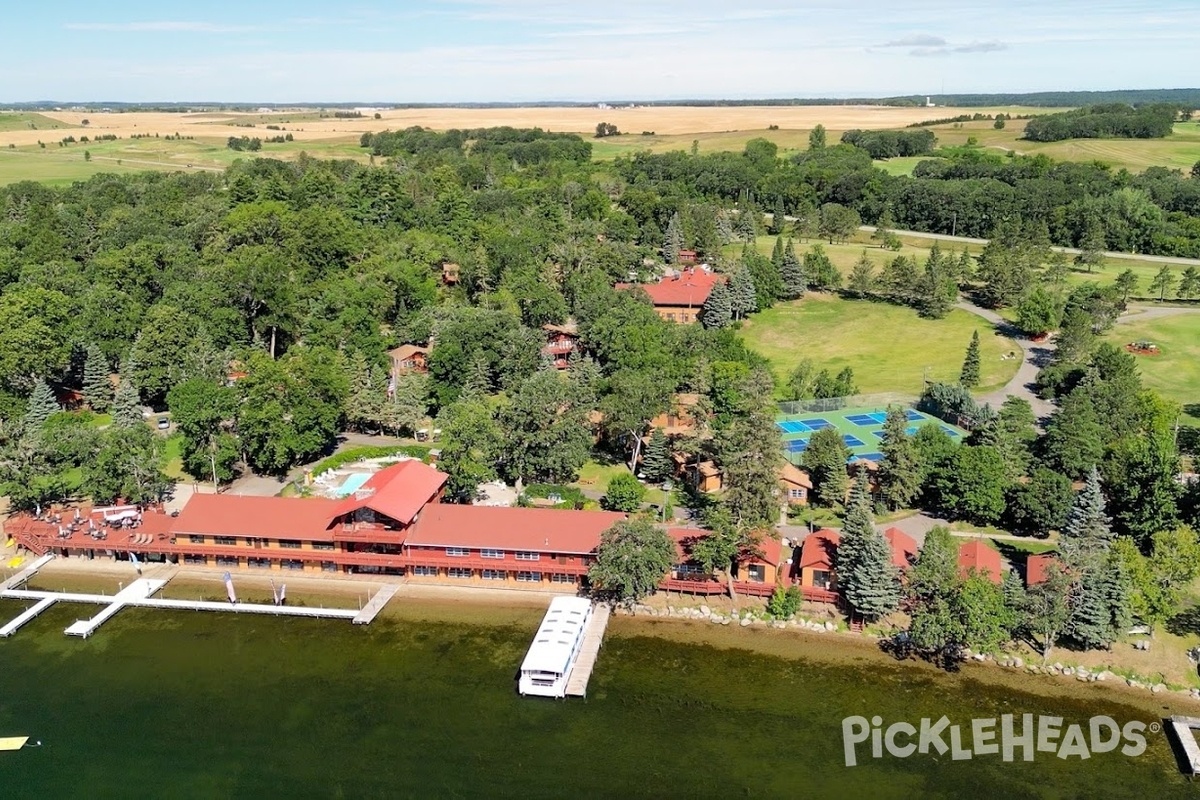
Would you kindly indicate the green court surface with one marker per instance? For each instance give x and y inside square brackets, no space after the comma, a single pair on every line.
[861,429]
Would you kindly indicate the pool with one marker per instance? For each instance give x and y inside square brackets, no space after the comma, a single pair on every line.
[352,484]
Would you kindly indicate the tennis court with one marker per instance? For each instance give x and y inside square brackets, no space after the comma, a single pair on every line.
[861,430]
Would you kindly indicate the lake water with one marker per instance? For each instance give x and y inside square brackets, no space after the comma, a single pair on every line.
[422,704]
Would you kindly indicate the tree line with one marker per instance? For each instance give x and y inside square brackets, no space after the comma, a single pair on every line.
[1111,120]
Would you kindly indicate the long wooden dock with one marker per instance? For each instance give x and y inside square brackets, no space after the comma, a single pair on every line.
[376,604]
[1183,728]
[593,637]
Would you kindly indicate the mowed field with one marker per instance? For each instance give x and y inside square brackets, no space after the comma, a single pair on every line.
[890,348]
[1180,150]
[1175,372]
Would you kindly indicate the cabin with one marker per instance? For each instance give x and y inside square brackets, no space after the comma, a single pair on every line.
[817,556]
[680,296]
[978,557]
[408,358]
[450,273]
[755,573]
[561,342]
[794,485]
[904,548]
[705,476]
[1036,567]
[687,257]
[680,418]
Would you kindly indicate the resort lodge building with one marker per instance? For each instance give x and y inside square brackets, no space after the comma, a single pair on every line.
[680,296]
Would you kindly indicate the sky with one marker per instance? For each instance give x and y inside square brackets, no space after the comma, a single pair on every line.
[375,51]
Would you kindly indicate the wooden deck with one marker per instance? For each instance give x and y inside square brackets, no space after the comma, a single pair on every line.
[593,637]
[376,604]
[1183,728]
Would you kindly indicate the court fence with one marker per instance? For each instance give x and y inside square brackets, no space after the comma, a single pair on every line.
[794,408]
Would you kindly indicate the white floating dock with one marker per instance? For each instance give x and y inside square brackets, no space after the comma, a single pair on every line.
[140,595]
[593,637]
[372,609]
[27,573]
[1183,728]
[26,615]
[138,590]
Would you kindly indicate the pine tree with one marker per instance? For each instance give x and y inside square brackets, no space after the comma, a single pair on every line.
[866,575]
[969,377]
[862,277]
[791,273]
[746,227]
[1099,608]
[479,376]
[776,254]
[1091,245]
[718,308]
[41,406]
[1163,282]
[1088,532]
[96,387]
[778,218]
[127,406]
[743,298]
[966,267]
[673,239]
[819,270]
[899,471]
[656,462]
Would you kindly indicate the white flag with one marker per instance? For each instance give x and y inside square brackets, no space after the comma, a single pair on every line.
[229,588]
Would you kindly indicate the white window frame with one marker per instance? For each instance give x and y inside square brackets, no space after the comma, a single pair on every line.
[425,571]
[494,575]
[527,556]
[491,554]
[460,573]
[560,577]
[458,552]
[529,577]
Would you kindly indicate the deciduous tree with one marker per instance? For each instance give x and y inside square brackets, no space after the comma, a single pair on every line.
[633,558]
[623,493]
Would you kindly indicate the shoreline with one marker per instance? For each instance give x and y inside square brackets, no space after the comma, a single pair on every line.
[494,606]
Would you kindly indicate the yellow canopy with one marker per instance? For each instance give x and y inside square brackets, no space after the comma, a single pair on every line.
[13,742]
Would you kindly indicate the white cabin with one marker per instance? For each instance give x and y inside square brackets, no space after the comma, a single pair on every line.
[555,647]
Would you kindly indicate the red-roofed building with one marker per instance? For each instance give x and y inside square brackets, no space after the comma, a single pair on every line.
[1036,567]
[817,556]
[755,573]
[904,548]
[680,297]
[980,557]
[408,358]
[506,545]
[561,342]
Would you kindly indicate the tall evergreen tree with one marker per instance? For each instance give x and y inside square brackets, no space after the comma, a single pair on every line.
[931,586]
[718,308]
[1088,532]
[1189,284]
[127,406]
[1163,282]
[791,273]
[1100,606]
[820,271]
[867,578]
[656,462]
[969,377]
[778,219]
[743,299]
[777,253]
[862,277]
[825,459]
[41,406]
[673,239]
[899,471]
[97,389]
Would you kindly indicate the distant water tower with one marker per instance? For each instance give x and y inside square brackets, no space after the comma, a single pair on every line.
[928,103]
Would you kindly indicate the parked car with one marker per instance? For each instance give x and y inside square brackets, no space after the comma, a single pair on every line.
[163,423]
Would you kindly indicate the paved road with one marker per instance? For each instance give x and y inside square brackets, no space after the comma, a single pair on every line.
[942,237]
[1147,313]
[1035,355]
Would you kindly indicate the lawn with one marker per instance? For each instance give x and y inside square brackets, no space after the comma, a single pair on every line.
[173,456]
[23,120]
[890,348]
[1175,373]
[902,165]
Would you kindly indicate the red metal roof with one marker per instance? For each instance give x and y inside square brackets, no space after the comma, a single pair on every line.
[306,519]
[1036,566]
[684,538]
[398,492]
[542,530]
[819,548]
[978,555]
[904,548]
[689,288]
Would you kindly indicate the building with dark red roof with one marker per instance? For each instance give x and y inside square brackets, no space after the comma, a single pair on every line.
[679,297]
[981,558]
[904,548]
[1036,567]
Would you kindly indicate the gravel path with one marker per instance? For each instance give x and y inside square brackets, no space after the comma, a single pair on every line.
[1035,355]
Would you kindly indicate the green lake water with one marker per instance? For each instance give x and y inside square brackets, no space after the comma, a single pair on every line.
[162,704]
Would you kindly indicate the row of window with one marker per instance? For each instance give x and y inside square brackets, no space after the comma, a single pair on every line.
[260,563]
[232,541]
[463,552]
[494,574]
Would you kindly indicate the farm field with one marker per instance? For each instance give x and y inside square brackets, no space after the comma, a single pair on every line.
[1178,151]
[1175,373]
[61,165]
[889,348]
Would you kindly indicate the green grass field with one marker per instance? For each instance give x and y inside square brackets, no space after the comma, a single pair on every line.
[1176,372]
[57,165]
[25,120]
[889,348]
[1178,151]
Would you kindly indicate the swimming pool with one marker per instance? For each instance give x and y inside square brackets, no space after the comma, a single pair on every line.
[352,484]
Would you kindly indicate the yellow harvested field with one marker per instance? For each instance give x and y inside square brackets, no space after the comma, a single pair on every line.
[307,126]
